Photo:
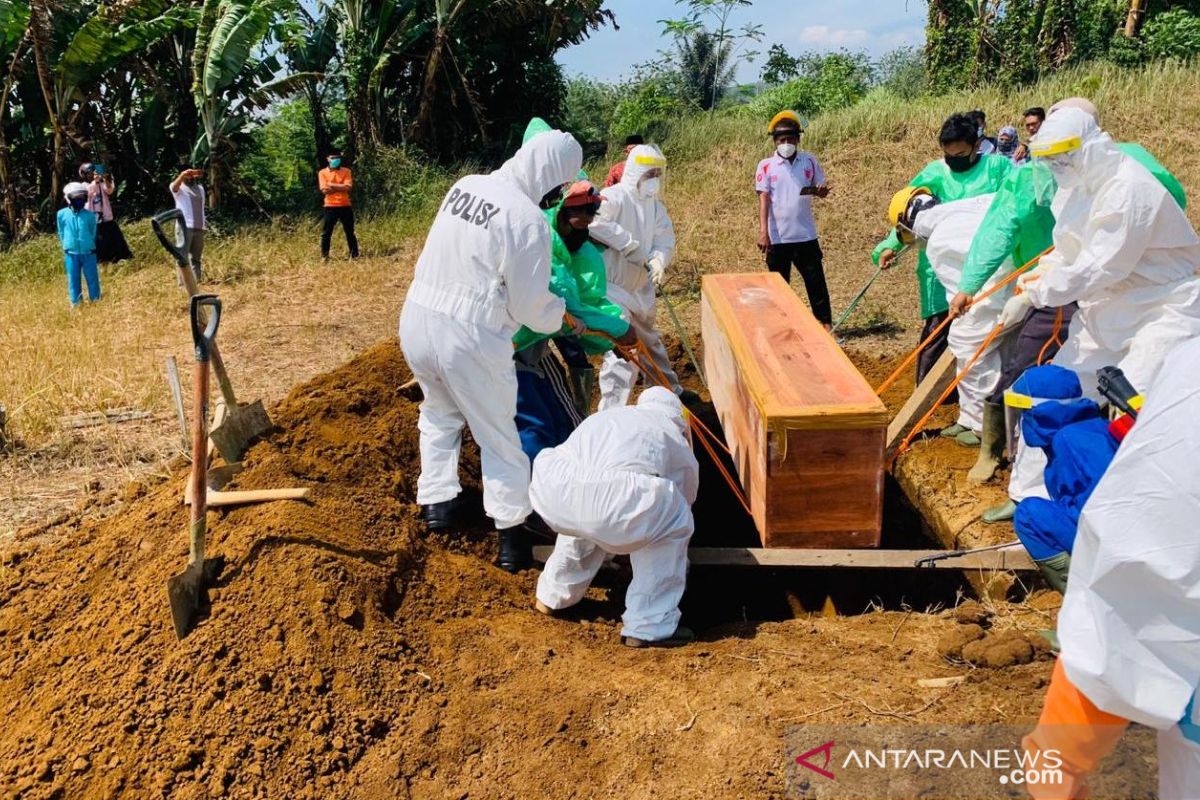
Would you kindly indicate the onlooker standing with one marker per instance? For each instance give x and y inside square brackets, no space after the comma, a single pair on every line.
[1034,117]
[110,242]
[618,169]
[787,233]
[190,197]
[1009,146]
[77,227]
[336,182]
[986,143]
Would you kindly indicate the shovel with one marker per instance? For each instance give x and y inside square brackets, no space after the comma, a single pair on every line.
[243,424]
[187,590]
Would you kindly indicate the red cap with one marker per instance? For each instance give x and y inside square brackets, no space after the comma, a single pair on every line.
[582,193]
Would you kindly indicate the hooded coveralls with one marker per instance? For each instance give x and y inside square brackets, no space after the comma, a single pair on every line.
[948,229]
[1130,621]
[484,272]
[984,177]
[1124,249]
[635,228]
[624,482]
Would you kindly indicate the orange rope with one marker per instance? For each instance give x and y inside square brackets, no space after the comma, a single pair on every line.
[996,331]
[891,379]
[1054,338]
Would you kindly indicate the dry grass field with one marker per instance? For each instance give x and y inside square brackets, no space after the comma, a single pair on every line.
[291,316]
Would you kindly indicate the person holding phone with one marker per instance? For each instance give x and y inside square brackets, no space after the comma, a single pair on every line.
[787,232]
[110,242]
[190,199]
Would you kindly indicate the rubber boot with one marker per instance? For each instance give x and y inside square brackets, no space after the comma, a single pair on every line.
[991,448]
[583,380]
[1055,569]
[1001,513]
[441,516]
[515,549]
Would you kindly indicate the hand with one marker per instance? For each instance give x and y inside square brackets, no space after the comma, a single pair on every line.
[886,258]
[822,191]
[764,242]
[628,339]
[1015,310]
[657,269]
[578,328]
[959,305]
[1022,153]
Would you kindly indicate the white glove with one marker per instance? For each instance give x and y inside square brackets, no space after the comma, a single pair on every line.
[657,270]
[1015,310]
[634,252]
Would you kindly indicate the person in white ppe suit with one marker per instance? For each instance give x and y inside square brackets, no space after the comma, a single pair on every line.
[484,272]
[1124,249]
[947,230]
[634,226]
[1130,621]
[623,483]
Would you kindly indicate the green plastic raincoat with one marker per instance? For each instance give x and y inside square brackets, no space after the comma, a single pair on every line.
[580,280]
[1017,224]
[984,178]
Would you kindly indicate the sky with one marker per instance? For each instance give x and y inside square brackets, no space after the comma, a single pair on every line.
[799,25]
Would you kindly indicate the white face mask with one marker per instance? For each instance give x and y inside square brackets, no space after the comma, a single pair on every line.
[651,187]
[786,150]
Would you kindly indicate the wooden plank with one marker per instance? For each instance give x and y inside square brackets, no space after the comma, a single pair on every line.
[921,400]
[1015,559]
[113,416]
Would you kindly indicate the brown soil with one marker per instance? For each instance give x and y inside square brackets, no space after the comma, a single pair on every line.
[347,655]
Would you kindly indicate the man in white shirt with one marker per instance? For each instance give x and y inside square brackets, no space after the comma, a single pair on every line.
[786,184]
[189,199]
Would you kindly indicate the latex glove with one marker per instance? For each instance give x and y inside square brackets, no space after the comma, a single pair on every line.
[657,270]
[1015,310]
[634,252]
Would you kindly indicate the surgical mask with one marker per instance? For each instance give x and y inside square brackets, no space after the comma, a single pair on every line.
[651,187]
[335,162]
[961,163]
[786,150]
[78,203]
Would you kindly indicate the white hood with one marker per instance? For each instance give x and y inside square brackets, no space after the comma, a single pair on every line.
[635,166]
[665,402]
[1093,163]
[547,160]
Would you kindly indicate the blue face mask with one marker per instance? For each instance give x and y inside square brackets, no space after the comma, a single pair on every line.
[78,203]
[334,163]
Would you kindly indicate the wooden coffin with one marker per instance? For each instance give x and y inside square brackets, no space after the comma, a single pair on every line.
[806,430]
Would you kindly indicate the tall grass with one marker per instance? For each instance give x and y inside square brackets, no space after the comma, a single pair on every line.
[289,315]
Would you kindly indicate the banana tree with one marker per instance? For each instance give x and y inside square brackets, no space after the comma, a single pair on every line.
[97,40]
[14,19]
[234,77]
[310,46]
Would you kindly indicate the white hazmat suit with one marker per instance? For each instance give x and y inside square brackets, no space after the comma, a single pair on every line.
[948,230]
[623,483]
[634,226]
[1124,249]
[1130,622]
[484,272]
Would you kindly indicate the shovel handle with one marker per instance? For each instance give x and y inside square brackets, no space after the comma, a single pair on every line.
[204,334]
[164,218]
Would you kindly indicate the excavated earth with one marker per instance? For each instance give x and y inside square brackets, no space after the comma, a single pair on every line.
[349,655]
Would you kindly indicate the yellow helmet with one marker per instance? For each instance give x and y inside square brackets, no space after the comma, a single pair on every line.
[786,116]
[900,201]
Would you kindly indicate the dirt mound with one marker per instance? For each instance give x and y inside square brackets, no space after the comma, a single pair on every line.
[349,656]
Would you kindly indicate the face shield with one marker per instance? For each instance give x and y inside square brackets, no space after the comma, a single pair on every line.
[1044,185]
[1060,158]
[653,180]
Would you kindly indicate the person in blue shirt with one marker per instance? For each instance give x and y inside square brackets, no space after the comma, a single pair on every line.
[77,233]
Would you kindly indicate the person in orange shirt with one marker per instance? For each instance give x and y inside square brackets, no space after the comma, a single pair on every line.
[336,182]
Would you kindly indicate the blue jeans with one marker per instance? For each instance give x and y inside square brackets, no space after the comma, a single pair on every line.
[85,263]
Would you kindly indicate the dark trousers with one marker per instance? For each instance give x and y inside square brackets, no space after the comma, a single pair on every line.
[806,256]
[933,351]
[334,215]
[1035,341]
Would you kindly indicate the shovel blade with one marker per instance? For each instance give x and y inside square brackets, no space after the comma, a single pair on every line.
[188,593]
[241,426]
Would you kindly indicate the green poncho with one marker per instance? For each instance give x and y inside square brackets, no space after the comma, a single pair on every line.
[580,280]
[1017,225]
[984,178]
